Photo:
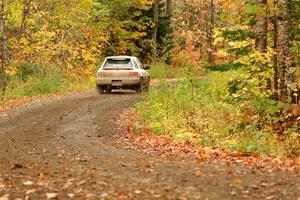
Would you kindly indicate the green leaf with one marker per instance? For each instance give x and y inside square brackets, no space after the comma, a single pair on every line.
[292,70]
[293,86]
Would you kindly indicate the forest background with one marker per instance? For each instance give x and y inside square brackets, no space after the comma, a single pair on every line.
[238,61]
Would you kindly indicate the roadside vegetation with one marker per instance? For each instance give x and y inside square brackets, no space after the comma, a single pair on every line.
[240,90]
[42,81]
[202,110]
[162,70]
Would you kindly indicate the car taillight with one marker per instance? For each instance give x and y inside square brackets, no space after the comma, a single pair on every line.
[101,74]
[134,74]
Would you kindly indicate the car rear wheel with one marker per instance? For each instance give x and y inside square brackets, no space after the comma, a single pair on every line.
[103,89]
[108,91]
[142,87]
[100,89]
[139,88]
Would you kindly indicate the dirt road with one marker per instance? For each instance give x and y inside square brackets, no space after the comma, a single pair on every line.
[65,148]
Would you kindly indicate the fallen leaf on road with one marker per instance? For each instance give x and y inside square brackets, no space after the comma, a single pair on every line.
[90,196]
[42,176]
[28,183]
[236,181]
[2,185]
[68,184]
[198,173]
[149,142]
[28,192]
[254,187]
[5,197]
[270,197]
[51,195]
[17,166]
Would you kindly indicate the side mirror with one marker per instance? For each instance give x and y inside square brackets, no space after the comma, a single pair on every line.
[146,67]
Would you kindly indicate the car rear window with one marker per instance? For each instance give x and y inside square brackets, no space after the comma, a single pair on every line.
[118,63]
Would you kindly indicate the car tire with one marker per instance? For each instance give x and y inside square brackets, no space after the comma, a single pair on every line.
[140,87]
[100,89]
[108,91]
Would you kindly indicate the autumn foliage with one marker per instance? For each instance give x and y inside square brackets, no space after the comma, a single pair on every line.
[70,38]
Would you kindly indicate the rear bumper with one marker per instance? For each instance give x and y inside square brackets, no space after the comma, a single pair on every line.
[118,81]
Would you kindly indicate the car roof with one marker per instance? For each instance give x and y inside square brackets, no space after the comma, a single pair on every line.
[120,57]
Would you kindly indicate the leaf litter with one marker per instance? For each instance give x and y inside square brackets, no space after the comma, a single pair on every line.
[149,142]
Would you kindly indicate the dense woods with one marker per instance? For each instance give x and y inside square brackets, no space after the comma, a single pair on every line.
[261,36]
[71,37]
[220,118]
[52,45]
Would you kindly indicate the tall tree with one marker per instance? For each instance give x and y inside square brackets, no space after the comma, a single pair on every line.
[275,62]
[25,13]
[169,7]
[261,33]
[285,62]
[211,59]
[4,49]
[155,29]
[261,26]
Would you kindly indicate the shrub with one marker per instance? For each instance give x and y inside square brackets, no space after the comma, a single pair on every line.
[205,112]
[41,80]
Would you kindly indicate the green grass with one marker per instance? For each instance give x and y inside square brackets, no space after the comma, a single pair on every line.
[203,111]
[222,67]
[44,81]
[161,70]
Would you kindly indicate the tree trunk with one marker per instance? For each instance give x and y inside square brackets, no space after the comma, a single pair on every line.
[261,28]
[169,8]
[261,36]
[26,7]
[211,58]
[4,53]
[155,30]
[275,58]
[285,63]
[275,62]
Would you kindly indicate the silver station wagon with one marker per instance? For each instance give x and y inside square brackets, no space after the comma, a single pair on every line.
[122,72]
